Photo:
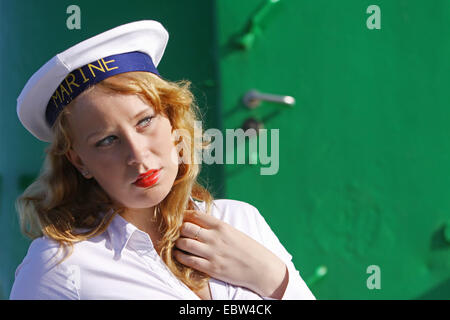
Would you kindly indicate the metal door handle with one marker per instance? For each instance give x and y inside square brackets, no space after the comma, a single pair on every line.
[253,98]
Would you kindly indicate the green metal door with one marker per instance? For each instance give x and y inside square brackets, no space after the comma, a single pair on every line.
[364,155]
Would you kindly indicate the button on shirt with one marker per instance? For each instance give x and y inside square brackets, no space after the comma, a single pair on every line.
[122,263]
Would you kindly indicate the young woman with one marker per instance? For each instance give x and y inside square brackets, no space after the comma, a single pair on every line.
[118,191]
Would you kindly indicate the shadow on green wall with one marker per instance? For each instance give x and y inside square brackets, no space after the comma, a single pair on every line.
[440,292]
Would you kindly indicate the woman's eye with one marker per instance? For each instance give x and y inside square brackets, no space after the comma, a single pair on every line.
[105,142]
[145,122]
[110,139]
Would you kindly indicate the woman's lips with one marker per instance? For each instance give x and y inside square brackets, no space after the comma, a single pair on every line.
[147,179]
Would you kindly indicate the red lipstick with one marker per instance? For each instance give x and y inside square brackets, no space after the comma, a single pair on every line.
[147,179]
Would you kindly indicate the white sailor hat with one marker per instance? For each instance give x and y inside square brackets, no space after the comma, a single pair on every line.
[135,46]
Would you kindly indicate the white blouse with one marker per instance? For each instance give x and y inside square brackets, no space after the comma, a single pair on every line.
[122,263]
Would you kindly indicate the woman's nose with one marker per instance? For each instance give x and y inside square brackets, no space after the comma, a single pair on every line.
[138,151]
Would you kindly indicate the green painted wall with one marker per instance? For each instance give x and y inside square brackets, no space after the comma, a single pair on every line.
[364,174]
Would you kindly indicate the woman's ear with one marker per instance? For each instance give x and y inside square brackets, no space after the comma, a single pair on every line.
[78,163]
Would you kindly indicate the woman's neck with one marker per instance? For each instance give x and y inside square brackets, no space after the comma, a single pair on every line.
[147,220]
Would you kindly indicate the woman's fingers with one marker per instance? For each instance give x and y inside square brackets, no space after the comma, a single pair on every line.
[195,262]
[194,247]
[193,231]
[203,220]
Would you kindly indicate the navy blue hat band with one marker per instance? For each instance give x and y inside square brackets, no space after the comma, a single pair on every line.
[80,79]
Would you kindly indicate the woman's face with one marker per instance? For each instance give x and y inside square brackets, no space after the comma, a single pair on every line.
[116,138]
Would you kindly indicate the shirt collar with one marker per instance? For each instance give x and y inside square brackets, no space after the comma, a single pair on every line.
[124,234]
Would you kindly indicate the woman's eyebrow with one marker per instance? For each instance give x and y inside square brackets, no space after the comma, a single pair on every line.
[140,113]
[92,134]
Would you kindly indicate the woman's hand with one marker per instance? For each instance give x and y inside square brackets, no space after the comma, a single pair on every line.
[225,253]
